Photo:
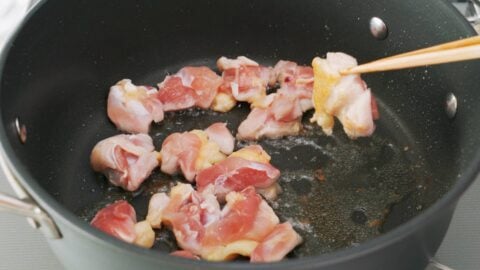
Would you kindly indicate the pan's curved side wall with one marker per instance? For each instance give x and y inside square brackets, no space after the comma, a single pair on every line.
[412,251]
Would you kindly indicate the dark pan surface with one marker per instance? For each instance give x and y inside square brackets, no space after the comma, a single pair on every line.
[336,192]
[60,67]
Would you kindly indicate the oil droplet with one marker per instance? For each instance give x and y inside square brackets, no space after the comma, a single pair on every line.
[358,216]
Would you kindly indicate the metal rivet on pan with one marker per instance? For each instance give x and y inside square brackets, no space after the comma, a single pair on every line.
[451,105]
[21,131]
[33,223]
[378,28]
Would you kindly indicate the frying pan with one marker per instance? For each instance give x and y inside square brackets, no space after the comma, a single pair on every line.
[382,202]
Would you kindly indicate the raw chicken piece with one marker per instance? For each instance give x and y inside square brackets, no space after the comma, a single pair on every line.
[179,195]
[131,108]
[126,160]
[174,95]
[245,221]
[185,254]
[210,152]
[180,152]
[247,83]
[223,101]
[220,134]
[270,193]
[264,222]
[246,168]
[277,244]
[288,73]
[296,80]
[252,152]
[144,234]
[285,108]
[230,251]
[188,213]
[237,217]
[158,203]
[190,152]
[188,227]
[233,174]
[304,96]
[226,63]
[191,86]
[202,228]
[345,97]
[203,81]
[243,79]
[118,220]
[278,115]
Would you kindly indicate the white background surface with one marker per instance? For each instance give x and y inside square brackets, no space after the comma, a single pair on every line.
[22,247]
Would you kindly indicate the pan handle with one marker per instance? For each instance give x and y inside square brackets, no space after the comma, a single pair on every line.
[434,265]
[24,205]
[474,6]
[30,210]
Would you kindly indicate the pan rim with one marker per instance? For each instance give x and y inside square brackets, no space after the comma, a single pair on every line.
[66,217]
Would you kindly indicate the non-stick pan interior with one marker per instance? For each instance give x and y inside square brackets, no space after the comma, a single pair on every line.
[337,192]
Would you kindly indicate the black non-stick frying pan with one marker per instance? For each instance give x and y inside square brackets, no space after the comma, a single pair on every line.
[382,202]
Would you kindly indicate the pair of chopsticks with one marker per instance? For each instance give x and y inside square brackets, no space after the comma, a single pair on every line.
[460,50]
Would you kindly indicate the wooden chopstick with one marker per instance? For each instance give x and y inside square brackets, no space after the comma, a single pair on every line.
[465,49]
[445,46]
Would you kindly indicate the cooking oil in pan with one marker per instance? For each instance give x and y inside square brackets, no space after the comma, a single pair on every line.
[337,192]
[344,197]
